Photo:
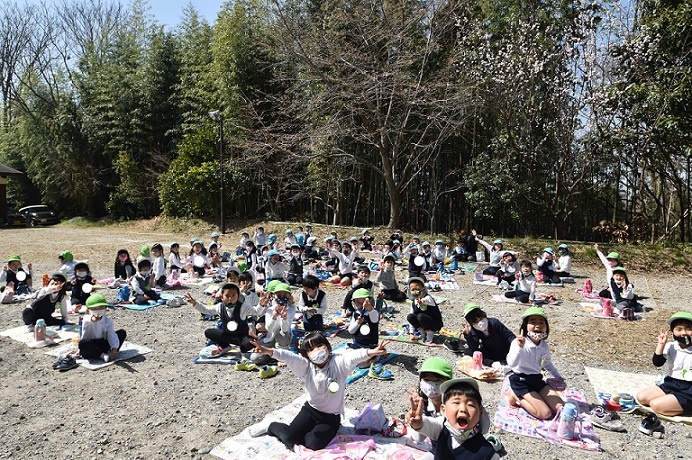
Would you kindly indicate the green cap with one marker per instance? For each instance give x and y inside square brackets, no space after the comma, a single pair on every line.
[613,255]
[437,366]
[470,307]
[145,251]
[282,287]
[13,258]
[271,286]
[619,269]
[534,311]
[242,266]
[680,315]
[67,255]
[96,301]
[361,293]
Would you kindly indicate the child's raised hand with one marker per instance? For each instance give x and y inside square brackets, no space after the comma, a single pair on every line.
[414,417]
[521,340]
[595,246]
[262,349]
[190,299]
[663,336]
[381,348]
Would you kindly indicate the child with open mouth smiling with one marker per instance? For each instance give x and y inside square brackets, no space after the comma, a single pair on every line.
[459,434]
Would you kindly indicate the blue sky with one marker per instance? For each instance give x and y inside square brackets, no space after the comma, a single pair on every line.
[169,12]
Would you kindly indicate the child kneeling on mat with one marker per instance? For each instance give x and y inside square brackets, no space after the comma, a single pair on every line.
[425,315]
[99,338]
[460,433]
[324,375]
[674,395]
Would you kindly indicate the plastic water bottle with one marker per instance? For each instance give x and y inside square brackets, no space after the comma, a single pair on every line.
[455,264]
[565,427]
[588,287]
[441,267]
[40,330]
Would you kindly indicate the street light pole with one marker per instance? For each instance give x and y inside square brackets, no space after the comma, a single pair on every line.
[216,116]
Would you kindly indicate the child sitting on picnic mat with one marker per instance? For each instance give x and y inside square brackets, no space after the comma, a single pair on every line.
[365,321]
[312,303]
[496,252]
[525,289]
[459,434]
[528,356]
[82,277]
[324,375]
[278,318]
[432,373]
[425,316]
[487,335]
[622,293]
[387,279]
[674,395]
[233,312]
[564,261]
[363,282]
[22,283]
[548,266]
[142,290]
[509,268]
[124,268]
[46,300]
[99,338]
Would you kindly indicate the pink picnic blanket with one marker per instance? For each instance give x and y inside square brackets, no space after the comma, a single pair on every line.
[342,447]
[516,420]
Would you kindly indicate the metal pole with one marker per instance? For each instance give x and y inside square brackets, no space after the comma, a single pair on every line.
[223,217]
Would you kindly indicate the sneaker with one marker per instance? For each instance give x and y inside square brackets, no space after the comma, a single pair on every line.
[650,425]
[105,357]
[377,371]
[453,345]
[259,429]
[245,365]
[605,419]
[68,363]
[268,372]
[59,362]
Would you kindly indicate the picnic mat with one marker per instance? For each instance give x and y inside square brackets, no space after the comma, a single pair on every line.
[487,374]
[516,420]
[539,299]
[127,351]
[24,335]
[399,333]
[244,447]
[165,297]
[595,310]
[615,382]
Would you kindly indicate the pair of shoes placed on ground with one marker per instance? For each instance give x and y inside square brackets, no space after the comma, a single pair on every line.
[377,371]
[65,363]
[265,372]
[651,426]
[176,302]
[605,419]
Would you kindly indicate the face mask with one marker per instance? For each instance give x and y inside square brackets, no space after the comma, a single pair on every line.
[481,325]
[81,274]
[526,272]
[97,314]
[430,389]
[415,292]
[536,336]
[319,356]
[683,339]
[145,272]
[458,435]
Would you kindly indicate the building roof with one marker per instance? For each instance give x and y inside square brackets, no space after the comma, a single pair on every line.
[7,171]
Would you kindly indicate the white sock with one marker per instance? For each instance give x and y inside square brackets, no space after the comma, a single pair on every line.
[429,336]
[259,429]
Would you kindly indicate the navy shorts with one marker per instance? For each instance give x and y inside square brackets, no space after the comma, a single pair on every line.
[681,389]
[526,383]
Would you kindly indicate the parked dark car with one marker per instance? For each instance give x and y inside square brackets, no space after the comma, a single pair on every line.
[14,219]
[39,214]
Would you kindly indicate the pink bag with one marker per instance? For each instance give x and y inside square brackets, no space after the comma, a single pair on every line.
[371,419]
[7,296]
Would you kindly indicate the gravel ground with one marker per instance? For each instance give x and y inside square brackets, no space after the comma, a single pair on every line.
[161,405]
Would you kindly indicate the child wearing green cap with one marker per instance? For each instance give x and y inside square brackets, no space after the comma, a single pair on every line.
[67,264]
[674,395]
[459,434]
[487,335]
[278,320]
[99,338]
[610,261]
[528,355]
[365,321]
[22,283]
